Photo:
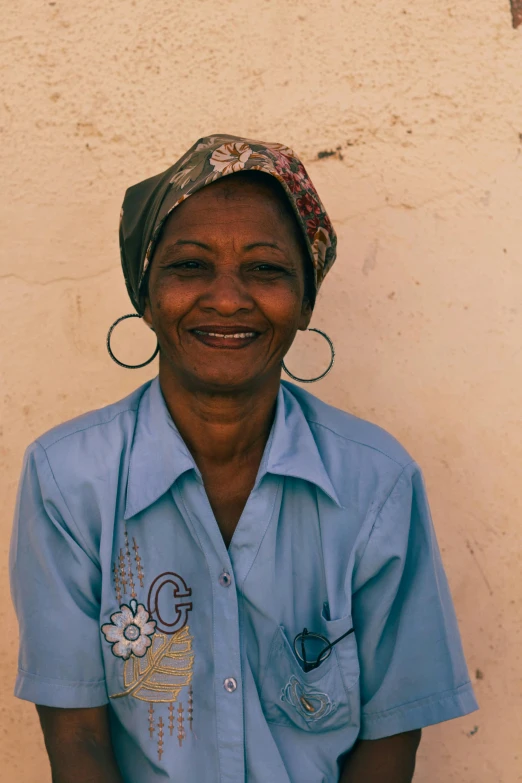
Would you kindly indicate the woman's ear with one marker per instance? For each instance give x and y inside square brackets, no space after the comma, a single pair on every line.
[306,315]
[147,314]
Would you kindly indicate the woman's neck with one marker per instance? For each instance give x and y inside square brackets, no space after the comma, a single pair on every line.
[222,429]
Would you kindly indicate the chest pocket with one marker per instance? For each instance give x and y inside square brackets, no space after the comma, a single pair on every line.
[323,699]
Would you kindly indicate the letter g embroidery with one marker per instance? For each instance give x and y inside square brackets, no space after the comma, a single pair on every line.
[181,607]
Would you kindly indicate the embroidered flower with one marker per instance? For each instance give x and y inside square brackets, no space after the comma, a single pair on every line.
[130,631]
[230,157]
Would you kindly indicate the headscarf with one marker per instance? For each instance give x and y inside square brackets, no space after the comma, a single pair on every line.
[147,205]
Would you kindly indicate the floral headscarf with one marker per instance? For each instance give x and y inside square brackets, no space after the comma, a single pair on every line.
[147,204]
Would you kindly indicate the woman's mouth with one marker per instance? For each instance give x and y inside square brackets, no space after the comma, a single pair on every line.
[225,338]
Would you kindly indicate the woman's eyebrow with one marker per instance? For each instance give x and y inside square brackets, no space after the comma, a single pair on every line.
[250,246]
[274,245]
[181,242]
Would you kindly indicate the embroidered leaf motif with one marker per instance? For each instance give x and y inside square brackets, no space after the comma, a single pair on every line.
[163,671]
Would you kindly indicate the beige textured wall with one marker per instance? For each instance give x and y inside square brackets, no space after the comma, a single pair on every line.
[423,103]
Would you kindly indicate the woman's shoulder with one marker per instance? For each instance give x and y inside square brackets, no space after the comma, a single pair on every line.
[109,425]
[76,468]
[333,426]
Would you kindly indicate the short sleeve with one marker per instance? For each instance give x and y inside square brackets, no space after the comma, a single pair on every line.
[56,586]
[413,671]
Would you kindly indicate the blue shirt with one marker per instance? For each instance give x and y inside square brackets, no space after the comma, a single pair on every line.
[127,595]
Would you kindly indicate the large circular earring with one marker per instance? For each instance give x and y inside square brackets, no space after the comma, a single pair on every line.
[318,378]
[114,359]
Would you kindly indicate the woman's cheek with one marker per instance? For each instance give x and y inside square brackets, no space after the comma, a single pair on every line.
[281,303]
[173,297]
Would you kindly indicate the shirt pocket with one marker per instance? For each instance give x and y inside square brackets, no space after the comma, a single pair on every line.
[323,699]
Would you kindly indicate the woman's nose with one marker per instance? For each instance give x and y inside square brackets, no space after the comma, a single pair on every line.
[227,294]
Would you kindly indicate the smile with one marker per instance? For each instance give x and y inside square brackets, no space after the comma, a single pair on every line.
[237,336]
[227,337]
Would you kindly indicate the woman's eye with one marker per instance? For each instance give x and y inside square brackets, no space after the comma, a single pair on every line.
[267,268]
[185,266]
[189,264]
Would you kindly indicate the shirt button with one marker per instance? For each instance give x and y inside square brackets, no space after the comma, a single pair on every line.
[225,580]
[230,684]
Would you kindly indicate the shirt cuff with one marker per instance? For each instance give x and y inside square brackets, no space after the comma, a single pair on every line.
[418,714]
[57,693]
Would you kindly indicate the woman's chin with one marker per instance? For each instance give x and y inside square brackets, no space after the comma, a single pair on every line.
[229,382]
[224,379]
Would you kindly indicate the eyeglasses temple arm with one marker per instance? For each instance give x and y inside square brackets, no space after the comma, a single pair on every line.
[332,644]
[303,649]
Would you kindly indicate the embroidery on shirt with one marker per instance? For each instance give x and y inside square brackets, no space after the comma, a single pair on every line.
[130,573]
[165,669]
[155,644]
[309,703]
[181,730]
[117,583]
[160,738]
[130,631]
[137,558]
[123,571]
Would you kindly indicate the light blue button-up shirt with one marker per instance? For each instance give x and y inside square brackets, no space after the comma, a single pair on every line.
[127,595]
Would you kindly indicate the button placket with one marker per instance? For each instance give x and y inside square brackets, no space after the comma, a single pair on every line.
[226,647]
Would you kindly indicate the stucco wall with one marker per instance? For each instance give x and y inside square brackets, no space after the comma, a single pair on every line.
[422,105]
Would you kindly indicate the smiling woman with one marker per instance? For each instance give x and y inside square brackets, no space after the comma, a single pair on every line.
[221,554]
[228,274]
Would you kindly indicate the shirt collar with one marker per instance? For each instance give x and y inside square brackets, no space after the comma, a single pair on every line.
[159,455]
[291,449]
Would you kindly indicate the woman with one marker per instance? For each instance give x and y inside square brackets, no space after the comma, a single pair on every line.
[221,578]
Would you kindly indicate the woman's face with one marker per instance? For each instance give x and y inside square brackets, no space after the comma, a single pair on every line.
[226,287]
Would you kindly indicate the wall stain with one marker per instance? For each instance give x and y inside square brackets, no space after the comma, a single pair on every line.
[331,153]
[370,260]
[516,13]
[482,572]
[87,129]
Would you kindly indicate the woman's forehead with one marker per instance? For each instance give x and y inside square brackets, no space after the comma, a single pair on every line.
[234,200]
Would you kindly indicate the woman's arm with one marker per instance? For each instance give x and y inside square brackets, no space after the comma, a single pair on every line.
[387,760]
[78,742]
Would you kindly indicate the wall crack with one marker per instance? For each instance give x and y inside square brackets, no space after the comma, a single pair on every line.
[52,281]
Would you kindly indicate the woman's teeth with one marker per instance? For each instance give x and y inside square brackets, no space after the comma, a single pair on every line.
[238,336]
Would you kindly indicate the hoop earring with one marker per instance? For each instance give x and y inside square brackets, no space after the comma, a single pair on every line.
[312,380]
[114,359]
